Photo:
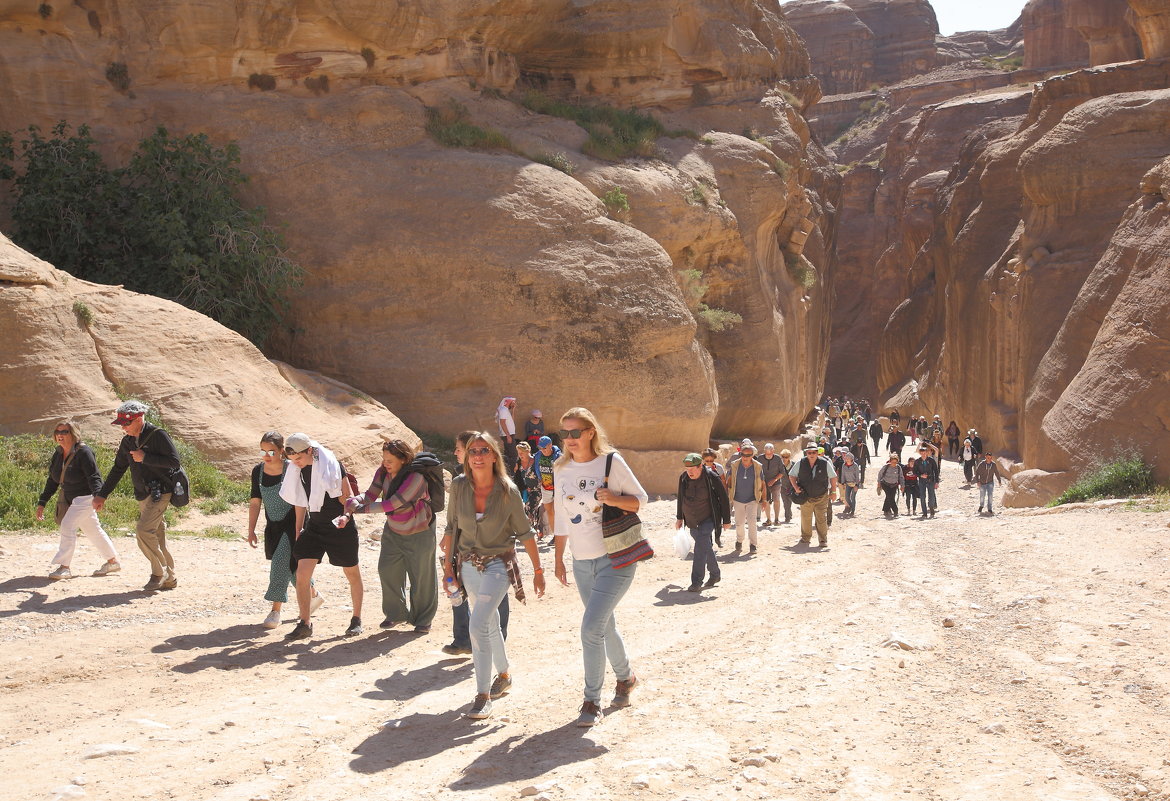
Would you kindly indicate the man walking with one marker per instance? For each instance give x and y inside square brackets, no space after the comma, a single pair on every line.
[986,473]
[814,477]
[895,441]
[773,467]
[507,426]
[150,454]
[875,433]
[745,485]
[928,476]
[703,505]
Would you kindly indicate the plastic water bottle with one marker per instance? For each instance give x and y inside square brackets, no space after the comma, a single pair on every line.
[451,587]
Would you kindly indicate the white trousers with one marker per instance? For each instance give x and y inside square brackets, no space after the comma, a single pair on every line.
[745,512]
[81,515]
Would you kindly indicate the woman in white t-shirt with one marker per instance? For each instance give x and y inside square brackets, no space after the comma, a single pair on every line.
[580,492]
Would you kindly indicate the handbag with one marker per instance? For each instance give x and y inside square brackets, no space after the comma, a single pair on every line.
[621,531]
[62,507]
[180,482]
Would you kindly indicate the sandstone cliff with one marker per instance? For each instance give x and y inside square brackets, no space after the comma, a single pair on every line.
[1070,33]
[72,346]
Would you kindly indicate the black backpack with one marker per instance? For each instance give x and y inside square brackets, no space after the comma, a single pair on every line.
[429,466]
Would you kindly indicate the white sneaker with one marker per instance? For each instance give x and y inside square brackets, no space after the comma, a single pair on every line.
[107,568]
[61,572]
[273,619]
[316,602]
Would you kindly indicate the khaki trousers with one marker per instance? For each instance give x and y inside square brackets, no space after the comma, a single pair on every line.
[152,535]
[819,508]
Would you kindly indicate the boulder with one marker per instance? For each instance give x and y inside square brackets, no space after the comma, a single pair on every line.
[1035,488]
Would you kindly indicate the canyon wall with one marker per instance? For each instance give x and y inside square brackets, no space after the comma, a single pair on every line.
[438,280]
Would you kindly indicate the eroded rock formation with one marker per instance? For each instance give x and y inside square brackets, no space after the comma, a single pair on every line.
[71,346]
[1069,33]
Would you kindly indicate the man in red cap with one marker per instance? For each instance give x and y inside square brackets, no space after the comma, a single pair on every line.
[153,460]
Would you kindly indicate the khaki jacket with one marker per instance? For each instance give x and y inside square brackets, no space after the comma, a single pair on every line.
[733,475]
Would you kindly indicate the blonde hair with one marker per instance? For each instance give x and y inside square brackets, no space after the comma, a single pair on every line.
[599,443]
[497,466]
[73,430]
[786,452]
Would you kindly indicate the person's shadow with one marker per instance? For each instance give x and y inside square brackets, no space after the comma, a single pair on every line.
[677,595]
[402,685]
[415,738]
[512,760]
[39,602]
[245,646]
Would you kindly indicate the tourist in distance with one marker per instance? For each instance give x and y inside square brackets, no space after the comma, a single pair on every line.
[895,441]
[486,518]
[928,479]
[875,433]
[527,481]
[814,477]
[986,473]
[969,457]
[850,476]
[546,456]
[953,433]
[784,486]
[408,538]
[890,480]
[773,470]
[581,490]
[910,485]
[315,485]
[507,427]
[745,487]
[534,430]
[279,526]
[73,472]
[150,455]
[703,505]
[460,614]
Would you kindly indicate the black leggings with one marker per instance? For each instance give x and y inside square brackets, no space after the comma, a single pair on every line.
[911,498]
[891,504]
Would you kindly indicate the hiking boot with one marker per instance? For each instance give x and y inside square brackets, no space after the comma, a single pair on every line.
[422,629]
[481,708]
[388,623]
[711,582]
[803,541]
[154,583]
[738,547]
[823,543]
[61,572]
[302,631]
[980,510]
[107,568]
[170,582]
[621,693]
[455,650]
[355,627]
[590,715]
[693,588]
[501,685]
[752,549]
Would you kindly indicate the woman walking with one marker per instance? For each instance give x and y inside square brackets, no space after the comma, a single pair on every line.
[582,488]
[910,485]
[73,469]
[279,526]
[485,520]
[953,432]
[890,480]
[408,539]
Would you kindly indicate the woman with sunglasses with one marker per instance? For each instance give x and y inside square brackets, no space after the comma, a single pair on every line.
[73,469]
[279,526]
[485,520]
[581,490]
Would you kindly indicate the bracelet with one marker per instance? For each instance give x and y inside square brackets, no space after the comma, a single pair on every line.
[538,570]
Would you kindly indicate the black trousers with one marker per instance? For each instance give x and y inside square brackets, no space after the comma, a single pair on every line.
[891,503]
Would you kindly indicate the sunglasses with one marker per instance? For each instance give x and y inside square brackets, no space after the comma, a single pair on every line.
[62,431]
[267,453]
[291,452]
[479,451]
[572,433]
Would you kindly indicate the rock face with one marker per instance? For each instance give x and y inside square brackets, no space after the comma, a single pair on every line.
[71,346]
[439,279]
[1069,33]
[1152,22]
[856,43]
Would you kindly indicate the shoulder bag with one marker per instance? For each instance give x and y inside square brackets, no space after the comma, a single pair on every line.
[62,506]
[622,531]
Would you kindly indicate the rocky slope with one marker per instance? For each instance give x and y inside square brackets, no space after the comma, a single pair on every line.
[439,279]
[71,347]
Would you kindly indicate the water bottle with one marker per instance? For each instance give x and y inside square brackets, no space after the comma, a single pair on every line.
[451,587]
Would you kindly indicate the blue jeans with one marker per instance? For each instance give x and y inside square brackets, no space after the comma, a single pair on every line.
[925,490]
[704,558]
[484,591]
[461,620]
[601,587]
[851,499]
[986,491]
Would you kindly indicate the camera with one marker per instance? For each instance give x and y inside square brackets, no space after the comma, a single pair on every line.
[155,490]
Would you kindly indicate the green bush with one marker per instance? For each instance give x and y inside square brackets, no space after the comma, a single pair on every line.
[614,134]
[83,312]
[802,273]
[558,161]
[450,126]
[718,319]
[694,289]
[24,463]
[616,201]
[261,81]
[697,195]
[168,224]
[1118,479]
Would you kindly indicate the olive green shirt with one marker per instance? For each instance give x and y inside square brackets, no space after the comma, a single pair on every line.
[503,524]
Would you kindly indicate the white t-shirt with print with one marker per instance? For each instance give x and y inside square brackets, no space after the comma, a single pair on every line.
[577,512]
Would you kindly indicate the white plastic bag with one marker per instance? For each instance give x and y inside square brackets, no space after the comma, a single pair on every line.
[682,543]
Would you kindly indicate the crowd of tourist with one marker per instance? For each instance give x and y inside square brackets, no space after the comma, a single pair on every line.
[508,493]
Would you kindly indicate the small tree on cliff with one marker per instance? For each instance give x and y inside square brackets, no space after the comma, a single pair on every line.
[167,224]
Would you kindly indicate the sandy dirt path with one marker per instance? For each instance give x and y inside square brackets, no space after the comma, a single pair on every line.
[1052,682]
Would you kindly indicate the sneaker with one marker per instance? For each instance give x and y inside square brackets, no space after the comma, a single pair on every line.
[711,582]
[107,568]
[154,583]
[590,715]
[752,549]
[481,708]
[980,510]
[302,631]
[355,627]
[823,543]
[61,572]
[170,582]
[388,623]
[803,541]
[422,629]
[501,685]
[621,694]
[272,621]
[316,602]
[738,547]
[694,588]
[456,650]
